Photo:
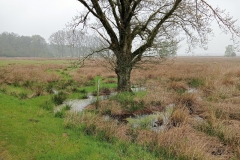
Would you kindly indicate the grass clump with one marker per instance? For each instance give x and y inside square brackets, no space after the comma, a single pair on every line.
[195,82]
[62,111]
[22,95]
[179,116]
[128,102]
[47,105]
[179,87]
[221,129]
[84,93]
[59,98]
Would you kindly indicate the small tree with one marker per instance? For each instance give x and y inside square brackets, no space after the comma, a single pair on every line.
[230,51]
[132,28]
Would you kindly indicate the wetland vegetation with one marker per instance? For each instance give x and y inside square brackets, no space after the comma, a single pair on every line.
[204,121]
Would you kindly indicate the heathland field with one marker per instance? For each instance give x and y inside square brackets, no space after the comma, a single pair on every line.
[187,108]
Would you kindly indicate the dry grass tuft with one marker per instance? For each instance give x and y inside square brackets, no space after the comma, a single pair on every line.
[179,116]
[186,142]
[228,111]
[190,100]
[178,86]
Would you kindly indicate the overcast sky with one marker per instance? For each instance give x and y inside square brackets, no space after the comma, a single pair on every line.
[31,17]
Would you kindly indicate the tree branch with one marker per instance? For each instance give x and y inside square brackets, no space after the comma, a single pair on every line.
[105,23]
[151,37]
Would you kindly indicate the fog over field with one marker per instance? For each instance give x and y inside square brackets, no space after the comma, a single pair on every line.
[32,17]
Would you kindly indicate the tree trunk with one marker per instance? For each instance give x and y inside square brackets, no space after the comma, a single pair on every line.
[124,74]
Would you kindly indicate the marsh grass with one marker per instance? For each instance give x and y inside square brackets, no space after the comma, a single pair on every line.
[214,134]
[59,98]
[179,116]
[130,101]
[195,82]
[216,83]
[47,105]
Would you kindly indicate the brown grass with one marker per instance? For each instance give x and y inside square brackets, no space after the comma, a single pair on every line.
[216,102]
[21,73]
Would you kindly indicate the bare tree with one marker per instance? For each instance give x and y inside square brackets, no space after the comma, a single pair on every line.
[58,39]
[132,28]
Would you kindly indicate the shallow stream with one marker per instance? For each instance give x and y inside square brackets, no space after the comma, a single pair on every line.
[145,121]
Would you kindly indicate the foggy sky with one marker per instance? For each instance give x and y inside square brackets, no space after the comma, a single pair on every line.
[34,17]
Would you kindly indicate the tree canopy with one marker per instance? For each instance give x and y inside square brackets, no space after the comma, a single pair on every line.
[132,28]
[229,52]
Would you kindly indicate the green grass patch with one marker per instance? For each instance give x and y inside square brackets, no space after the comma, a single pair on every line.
[196,82]
[30,132]
[9,61]
[16,91]
[47,105]
[64,74]
[128,101]
[91,88]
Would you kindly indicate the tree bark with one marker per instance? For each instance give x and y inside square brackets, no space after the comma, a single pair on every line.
[123,73]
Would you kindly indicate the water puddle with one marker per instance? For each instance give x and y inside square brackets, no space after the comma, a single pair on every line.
[192,90]
[140,89]
[156,122]
[78,105]
[54,91]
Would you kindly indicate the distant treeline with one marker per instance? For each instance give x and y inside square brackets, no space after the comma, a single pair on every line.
[13,45]
[61,44]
